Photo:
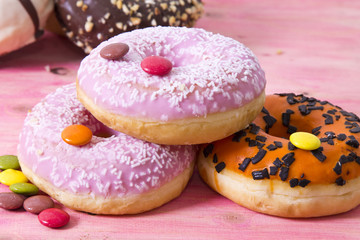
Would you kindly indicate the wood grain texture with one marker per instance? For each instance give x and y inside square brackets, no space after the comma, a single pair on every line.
[304,46]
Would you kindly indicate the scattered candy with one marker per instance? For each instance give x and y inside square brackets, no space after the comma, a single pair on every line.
[11,176]
[114,51]
[305,141]
[53,218]
[38,203]
[9,162]
[156,65]
[11,201]
[27,189]
[77,135]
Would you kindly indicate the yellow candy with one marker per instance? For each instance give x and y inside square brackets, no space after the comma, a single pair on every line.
[11,176]
[305,141]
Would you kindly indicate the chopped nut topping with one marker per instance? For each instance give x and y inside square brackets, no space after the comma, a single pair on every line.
[164,6]
[119,25]
[89,26]
[135,21]
[119,4]
[79,3]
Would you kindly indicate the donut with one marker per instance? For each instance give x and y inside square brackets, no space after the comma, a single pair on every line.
[26,27]
[268,169]
[89,22]
[112,174]
[211,86]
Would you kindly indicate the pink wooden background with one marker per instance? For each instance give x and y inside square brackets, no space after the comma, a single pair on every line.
[304,46]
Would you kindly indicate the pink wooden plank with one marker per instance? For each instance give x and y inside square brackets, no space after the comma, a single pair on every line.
[303,46]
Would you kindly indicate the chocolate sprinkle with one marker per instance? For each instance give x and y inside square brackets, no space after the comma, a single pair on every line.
[352,143]
[294,182]
[244,164]
[254,129]
[337,169]
[318,154]
[252,143]
[215,158]
[271,147]
[220,166]
[291,147]
[208,150]
[341,137]
[332,111]
[288,159]
[340,181]
[264,110]
[315,108]
[258,175]
[277,163]
[303,182]
[316,130]
[328,119]
[259,156]
[269,120]
[261,138]
[303,110]
[273,170]
[355,130]
[285,117]
[284,172]
[291,129]
[238,135]
[278,144]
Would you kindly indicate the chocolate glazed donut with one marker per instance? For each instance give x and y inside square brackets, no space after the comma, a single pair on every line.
[89,22]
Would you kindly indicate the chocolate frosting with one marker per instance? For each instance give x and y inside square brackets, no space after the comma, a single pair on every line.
[30,9]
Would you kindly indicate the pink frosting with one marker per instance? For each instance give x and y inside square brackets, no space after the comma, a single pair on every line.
[211,73]
[111,166]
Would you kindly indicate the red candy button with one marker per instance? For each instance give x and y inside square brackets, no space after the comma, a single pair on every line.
[156,65]
[53,218]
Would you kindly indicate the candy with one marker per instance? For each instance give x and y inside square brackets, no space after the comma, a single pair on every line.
[27,189]
[38,203]
[76,135]
[11,201]
[114,51]
[156,65]
[9,162]
[53,218]
[305,141]
[11,176]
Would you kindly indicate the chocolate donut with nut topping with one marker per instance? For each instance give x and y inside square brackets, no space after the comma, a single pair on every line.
[89,22]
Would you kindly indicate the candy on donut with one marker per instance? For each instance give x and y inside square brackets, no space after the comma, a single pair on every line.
[112,174]
[175,85]
[89,22]
[22,22]
[315,173]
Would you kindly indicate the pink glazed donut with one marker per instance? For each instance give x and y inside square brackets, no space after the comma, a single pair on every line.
[215,87]
[113,174]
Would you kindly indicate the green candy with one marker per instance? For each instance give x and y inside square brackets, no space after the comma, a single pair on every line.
[9,162]
[27,189]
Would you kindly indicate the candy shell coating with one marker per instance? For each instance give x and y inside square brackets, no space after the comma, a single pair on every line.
[76,135]
[11,176]
[27,189]
[305,140]
[11,201]
[53,218]
[38,203]
[114,51]
[9,162]
[156,65]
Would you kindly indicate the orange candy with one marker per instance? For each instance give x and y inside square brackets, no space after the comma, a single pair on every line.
[77,135]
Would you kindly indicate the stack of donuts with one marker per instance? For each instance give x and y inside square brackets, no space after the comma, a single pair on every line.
[124,138]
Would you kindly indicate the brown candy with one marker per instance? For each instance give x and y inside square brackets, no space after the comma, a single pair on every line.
[38,203]
[11,201]
[114,51]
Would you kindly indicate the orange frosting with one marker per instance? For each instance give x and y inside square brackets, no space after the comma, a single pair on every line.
[76,135]
[330,123]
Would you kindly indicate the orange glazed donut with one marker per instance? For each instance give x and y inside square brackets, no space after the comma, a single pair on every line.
[261,169]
